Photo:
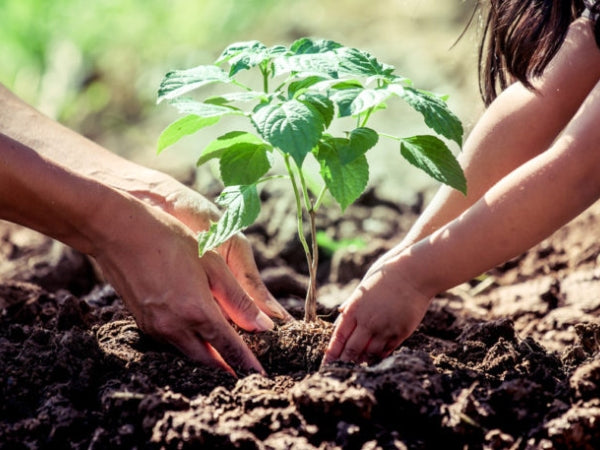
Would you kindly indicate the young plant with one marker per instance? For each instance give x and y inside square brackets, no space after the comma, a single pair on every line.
[304,89]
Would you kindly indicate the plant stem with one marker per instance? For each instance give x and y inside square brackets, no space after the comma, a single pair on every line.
[389,136]
[310,310]
[320,198]
[265,73]
[310,306]
[367,116]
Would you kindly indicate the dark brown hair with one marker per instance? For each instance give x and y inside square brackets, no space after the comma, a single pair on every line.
[520,38]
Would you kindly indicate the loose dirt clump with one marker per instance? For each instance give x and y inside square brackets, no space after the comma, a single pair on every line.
[508,361]
[297,346]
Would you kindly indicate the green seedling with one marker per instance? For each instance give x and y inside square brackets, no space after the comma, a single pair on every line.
[304,89]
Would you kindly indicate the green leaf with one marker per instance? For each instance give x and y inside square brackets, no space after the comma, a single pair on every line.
[360,141]
[244,163]
[189,106]
[296,88]
[431,155]
[356,62]
[232,97]
[318,64]
[240,48]
[245,55]
[322,104]
[345,176]
[309,57]
[354,101]
[293,126]
[216,148]
[435,111]
[179,82]
[306,45]
[185,126]
[243,207]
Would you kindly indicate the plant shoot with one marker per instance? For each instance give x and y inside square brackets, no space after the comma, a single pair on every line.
[303,89]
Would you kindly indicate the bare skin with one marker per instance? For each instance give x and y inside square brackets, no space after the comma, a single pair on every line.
[140,226]
[531,164]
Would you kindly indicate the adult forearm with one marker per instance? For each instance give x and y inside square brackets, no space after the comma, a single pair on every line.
[38,193]
[79,155]
[55,142]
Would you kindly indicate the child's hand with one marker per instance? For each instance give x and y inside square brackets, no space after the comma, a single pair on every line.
[381,313]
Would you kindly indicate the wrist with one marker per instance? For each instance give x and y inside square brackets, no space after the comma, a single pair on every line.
[411,267]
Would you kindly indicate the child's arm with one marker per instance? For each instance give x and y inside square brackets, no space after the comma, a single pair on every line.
[521,209]
[519,125]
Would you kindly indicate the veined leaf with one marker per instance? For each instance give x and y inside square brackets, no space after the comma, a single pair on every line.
[183,127]
[243,207]
[346,181]
[356,62]
[245,55]
[322,104]
[361,140]
[358,142]
[179,82]
[431,155]
[304,65]
[232,97]
[189,106]
[354,101]
[244,163]
[240,48]
[435,111]
[216,148]
[309,57]
[293,126]
[296,88]
[305,46]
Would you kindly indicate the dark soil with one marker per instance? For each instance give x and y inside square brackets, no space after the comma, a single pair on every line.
[508,361]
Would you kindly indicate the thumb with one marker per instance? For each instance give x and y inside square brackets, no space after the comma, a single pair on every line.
[238,256]
[236,303]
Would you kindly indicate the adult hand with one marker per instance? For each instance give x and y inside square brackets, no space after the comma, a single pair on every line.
[380,314]
[151,259]
[140,225]
[195,211]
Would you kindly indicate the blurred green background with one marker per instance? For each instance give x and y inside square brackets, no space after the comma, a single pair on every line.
[96,65]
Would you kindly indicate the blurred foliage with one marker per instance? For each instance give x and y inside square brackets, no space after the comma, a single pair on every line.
[72,58]
[95,65]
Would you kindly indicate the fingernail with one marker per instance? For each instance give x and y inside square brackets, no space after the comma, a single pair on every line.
[277,310]
[263,322]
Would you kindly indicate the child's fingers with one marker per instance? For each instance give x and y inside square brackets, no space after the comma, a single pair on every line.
[356,344]
[375,350]
[342,331]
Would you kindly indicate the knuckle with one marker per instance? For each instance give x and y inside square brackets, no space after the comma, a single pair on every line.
[205,328]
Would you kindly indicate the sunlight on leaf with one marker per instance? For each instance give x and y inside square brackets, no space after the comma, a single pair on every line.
[431,155]
[243,207]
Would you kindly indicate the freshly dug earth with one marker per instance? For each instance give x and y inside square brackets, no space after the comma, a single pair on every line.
[510,360]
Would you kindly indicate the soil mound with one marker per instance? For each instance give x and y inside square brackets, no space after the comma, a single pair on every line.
[510,360]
